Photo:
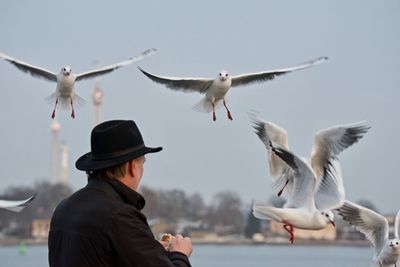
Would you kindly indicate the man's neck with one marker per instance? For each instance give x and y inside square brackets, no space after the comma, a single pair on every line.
[130,182]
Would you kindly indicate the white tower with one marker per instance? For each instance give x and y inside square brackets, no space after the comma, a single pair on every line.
[64,163]
[55,148]
[97,96]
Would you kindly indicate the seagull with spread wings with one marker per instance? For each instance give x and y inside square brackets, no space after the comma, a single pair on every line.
[376,228]
[328,144]
[65,95]
[314,188]
[216,89]
[303,210]
[15,205]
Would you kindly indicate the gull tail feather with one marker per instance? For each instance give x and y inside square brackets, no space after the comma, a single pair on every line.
[266,213]
[78,101]
[205,105]
[65,102]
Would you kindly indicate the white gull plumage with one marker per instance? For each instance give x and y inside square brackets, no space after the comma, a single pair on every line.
[315,187]
[65,94]
[216,89]
[15,205]
[376,228]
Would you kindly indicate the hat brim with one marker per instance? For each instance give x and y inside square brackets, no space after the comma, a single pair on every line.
[88,163]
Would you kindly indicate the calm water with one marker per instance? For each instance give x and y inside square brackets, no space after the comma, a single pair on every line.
[231,256]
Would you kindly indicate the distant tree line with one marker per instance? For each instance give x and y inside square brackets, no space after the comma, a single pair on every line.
[224,214]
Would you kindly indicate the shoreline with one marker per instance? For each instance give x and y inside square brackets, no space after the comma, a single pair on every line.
[222,242]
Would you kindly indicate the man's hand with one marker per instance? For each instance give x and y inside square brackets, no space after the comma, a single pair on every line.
[181,244]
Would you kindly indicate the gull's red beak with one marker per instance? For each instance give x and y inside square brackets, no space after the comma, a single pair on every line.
[333,223]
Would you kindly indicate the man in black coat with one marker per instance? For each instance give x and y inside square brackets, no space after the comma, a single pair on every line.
[102,224]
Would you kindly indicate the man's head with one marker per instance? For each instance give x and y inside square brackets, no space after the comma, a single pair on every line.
[117,149]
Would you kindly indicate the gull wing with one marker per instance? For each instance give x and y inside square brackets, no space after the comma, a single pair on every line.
[304,180]
[330,188]
[373,225]
[32,70]
[199,85]
[248,78]
[397,226]
[110,68]
[15,205]
[330,142]
[270,132]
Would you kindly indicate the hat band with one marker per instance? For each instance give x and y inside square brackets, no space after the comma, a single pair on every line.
[117,153]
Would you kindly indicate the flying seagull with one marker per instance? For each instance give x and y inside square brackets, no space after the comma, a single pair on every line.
[376,228]
[301,211]
[328,144]
[216,89]
[316,187]
[65,91]
[15,205]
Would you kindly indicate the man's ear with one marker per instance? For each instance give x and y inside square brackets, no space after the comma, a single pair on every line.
[132,168]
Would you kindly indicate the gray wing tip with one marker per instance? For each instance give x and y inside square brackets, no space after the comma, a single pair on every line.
[257,124]
[32,197]
[319,60]
[144,72]
[348,208]
[359,129]
[345,209]
[258,127]
[153,77]
[29,200]
[151,50]
[363,128]
[254,119]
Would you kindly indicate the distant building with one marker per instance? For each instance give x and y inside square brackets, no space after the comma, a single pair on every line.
[55,152]
[97,97]
[64,164]
[40,229]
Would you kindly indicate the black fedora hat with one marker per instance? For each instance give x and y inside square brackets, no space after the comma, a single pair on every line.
[113,142]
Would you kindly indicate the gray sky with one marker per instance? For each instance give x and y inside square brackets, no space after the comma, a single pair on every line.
[359,82]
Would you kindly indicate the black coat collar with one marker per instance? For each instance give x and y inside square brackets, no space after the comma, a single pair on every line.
[118,190]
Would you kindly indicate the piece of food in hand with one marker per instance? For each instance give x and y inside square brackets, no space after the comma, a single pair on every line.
[167,237]
[166,240]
